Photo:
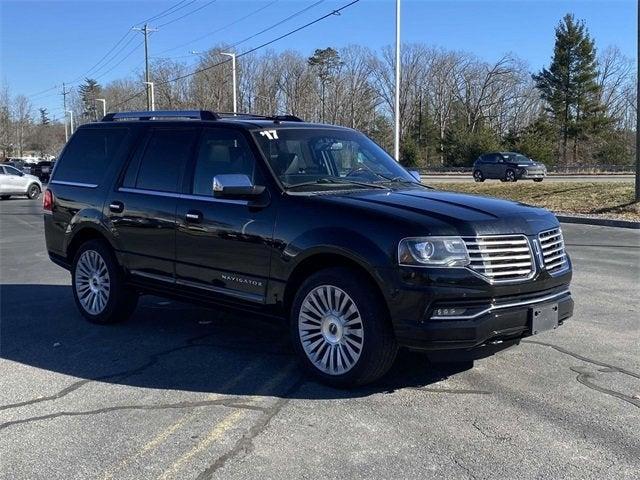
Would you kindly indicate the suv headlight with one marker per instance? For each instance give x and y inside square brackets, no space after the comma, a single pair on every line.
[433,252]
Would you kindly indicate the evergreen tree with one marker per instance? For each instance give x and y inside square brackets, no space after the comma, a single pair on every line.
[44,116]
[89,91]
[570,85]
[326,62]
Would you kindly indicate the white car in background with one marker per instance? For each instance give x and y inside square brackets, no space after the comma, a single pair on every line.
[15,182]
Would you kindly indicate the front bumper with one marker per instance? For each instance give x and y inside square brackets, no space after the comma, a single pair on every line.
[531,174]
[493,312]
[502,320]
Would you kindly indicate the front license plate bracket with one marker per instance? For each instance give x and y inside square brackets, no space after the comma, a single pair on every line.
[543,318]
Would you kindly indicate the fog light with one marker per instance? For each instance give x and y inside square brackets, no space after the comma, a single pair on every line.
[449,312]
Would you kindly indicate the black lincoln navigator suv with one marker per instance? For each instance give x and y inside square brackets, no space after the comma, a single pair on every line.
[312,223]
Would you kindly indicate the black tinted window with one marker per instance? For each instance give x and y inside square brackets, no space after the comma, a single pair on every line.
[163,160]
[89,154]
[221,152]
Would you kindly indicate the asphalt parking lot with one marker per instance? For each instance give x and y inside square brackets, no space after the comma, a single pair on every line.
[182,392]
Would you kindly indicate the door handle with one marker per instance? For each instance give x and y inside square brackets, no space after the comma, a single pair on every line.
[116,207]
[193,216]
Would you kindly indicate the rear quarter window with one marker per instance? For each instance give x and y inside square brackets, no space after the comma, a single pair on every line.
[89,154]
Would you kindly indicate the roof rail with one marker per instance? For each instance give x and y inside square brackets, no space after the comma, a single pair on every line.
[275,118]
[148,115]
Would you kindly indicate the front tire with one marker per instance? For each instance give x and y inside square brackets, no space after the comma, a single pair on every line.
[33,191]
[510,176]
[341,330]
[538,180]
[5,197]
[98,285]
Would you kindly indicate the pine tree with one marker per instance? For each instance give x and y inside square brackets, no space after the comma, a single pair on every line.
[89,91]
[326,62]
[570,85]
[44,116]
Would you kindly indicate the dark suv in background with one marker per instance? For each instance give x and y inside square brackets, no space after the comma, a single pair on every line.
[312,223]
[507,167]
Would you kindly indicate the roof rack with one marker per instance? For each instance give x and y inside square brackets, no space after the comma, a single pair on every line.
[148,115]
[275,118]
[195,115]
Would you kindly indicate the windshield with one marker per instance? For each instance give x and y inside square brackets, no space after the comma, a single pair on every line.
[518,158]
[325,158]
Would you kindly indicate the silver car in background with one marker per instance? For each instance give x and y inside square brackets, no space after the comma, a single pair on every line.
[15,182]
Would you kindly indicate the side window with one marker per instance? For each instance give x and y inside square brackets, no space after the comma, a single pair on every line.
[2,171]
[87,157]
[222,151]
[161,164]
[12,171]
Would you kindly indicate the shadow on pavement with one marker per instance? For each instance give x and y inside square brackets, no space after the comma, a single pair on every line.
[171,345]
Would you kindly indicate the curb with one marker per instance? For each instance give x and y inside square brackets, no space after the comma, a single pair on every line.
[606,222]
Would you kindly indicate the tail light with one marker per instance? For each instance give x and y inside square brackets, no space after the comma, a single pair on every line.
[47,201]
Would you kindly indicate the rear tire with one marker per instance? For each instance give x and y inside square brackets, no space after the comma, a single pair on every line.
[98,285]
[478,176]
[33,191]
[538,180]
[5,197]
[340,328]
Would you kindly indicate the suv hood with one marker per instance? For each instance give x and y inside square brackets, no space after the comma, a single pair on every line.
[440,212]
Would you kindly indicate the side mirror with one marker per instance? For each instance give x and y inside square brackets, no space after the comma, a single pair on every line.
[235,186]
[415,174]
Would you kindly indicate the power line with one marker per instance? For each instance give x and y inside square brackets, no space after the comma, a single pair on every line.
[168,11]
[163,13]
[224,27]
[88,72]
[204,69]
[284,20]
[187,14]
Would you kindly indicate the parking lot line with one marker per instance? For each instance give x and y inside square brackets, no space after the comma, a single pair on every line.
[167,432]
[227,423]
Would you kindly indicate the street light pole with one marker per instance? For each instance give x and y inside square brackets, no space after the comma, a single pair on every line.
[104,105]
[70,112]
[396,136]
[233,68]
[153,97]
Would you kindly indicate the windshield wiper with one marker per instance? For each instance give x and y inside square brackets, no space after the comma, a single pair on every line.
[333,181]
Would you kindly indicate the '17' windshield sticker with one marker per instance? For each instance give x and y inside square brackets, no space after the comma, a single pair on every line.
[270,134]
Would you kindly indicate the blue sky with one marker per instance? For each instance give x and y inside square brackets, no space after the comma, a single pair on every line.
[45,43]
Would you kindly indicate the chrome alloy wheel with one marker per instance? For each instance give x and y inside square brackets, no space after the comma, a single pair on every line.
[330,329]
[92,282]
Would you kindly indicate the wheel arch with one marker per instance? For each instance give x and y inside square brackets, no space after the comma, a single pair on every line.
[322,259]
[82,235]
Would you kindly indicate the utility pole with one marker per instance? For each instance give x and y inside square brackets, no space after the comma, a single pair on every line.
[396,140]
[64,94]
[235,88]
[145,31]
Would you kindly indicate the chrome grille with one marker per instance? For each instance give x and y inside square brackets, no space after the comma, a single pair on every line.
[501,258]
[553,254]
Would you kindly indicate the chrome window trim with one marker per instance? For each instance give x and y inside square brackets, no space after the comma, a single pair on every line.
[505,305]
[184,196]
[74,184]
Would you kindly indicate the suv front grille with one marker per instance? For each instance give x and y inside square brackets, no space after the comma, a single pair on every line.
[501,258]
[553,254]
